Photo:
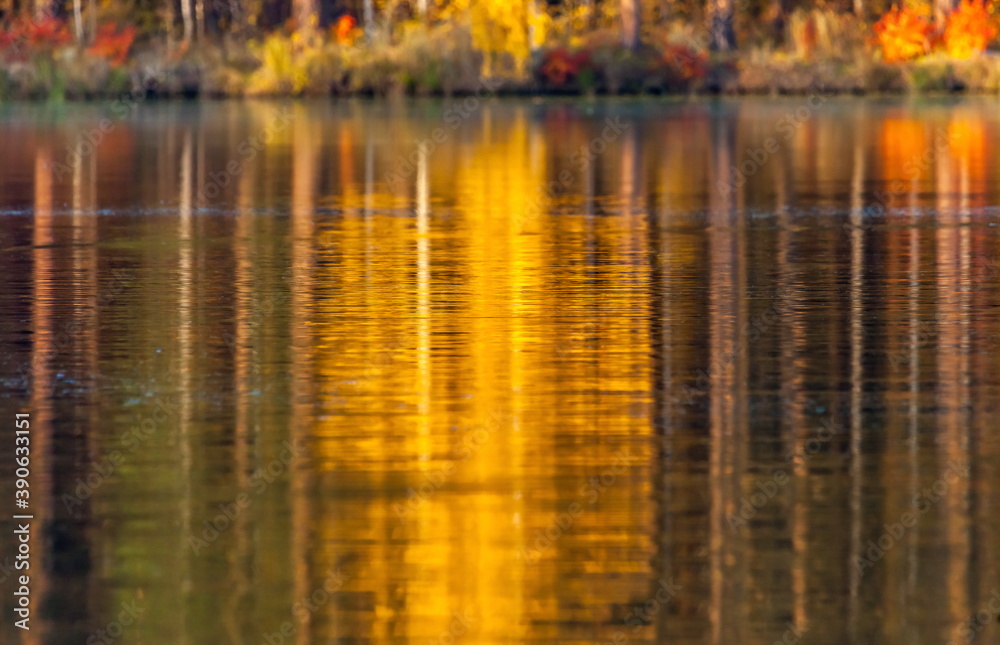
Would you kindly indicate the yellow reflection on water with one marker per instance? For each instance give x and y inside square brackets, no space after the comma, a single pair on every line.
[531,392]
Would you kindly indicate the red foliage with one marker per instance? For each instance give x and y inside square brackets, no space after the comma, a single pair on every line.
[345,30]
[25,36]
[48,33]
[560,65]
[112,44]
[686,62]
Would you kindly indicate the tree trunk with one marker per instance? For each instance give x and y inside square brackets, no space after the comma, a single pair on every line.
[169,17]
[199,14]
[532,35]
[941,10]
[188,20]
[630,24]
[720,26]
[199,18]
[777,21]
[422,9]
[306,14]
[42,10]
[78,20]
[859,8]
[368,14]
[91,26]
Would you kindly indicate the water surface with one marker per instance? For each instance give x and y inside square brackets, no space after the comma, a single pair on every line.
[650,371]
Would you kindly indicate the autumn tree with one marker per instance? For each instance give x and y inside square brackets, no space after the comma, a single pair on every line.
[500,27]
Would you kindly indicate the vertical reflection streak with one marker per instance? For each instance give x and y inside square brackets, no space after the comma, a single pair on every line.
[184,286]
[244,371]
[794,422]
[302,231]
[726,412]
[952,378]
[913,412]
[423,310]
[44,348]
[857,374]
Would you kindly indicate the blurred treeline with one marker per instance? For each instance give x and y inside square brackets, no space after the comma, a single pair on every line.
[82,48]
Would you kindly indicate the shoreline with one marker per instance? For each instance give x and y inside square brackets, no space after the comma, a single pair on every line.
[209,75]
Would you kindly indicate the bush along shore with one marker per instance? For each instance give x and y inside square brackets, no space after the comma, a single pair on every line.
[821,50]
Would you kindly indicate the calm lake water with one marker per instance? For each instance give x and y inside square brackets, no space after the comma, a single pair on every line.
[581,372]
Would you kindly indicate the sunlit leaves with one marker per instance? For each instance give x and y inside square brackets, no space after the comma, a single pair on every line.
[903,34]
[970,29]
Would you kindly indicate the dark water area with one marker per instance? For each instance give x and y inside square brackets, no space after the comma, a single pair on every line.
[648,371]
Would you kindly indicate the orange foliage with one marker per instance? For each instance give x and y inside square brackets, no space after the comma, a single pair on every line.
[112,44]
[560,65]
[50,32]
[903,34]
[970,29]
[345,30]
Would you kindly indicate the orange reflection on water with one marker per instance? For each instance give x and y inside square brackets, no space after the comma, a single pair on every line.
[525,408]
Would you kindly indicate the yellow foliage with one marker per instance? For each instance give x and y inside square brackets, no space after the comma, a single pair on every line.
[291,65]
[502,27]
[540,22]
